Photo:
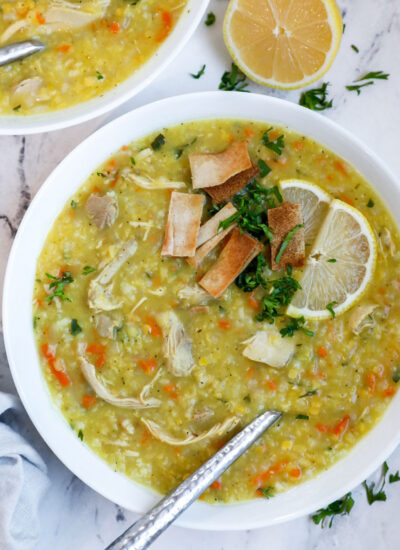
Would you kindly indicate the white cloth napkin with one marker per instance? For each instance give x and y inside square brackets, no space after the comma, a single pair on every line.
[23,481]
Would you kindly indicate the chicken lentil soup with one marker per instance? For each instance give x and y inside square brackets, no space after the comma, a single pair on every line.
[172,306]
[84,42]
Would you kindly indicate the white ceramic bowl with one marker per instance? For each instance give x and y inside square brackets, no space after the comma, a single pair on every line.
[55,120]
[366,456]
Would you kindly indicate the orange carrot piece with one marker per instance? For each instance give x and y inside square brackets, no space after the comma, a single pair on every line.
[216,485]
[389,392]
[347,199]
[114,27]
[371,382]
[171,389]
[271,384]
[341,168]
[273,470]
[61,376]
[295,472]
[225,325]
[341,426]
[40,19]
[64,48]
[155,329]
[148,365]
[253,302]
[88,401]
[95,348]
[322,428]
[114,181]
[249,132]
[322,352]
[298,145]
[167,26]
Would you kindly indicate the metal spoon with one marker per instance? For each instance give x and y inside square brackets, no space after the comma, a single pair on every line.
[144,532]
[20,50]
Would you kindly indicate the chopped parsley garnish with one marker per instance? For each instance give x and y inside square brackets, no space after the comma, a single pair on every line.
[280,293]
[276,145]
[293,326]
[332,260]
[133,161]
[210,20]
[252,205]
[75,328]
[396,376]
[379,494]
[252,276]
[58,284]
[286,241]
[73,204]
[370,203]
[373,75]
[393,478]
[88,269]
[199,74]
[179,150]
[99,76]
[302,417]
[340,507]
[264,168]
[316,99]
[80,435]
[353,47]
[17,108]
[267,492]
[158,142]
[247,399]
[329,307]
[101,175]
[233,80]
[309,393]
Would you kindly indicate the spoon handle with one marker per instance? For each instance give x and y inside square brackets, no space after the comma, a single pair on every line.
[19,50]
[142,533]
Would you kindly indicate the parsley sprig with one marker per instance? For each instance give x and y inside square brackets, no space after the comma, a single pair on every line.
[266,492]
[199,73]
[276,145]
[58,284]
[316,99]
[340,507]
[375,491]
[371,76]
[233,80]
[293,326]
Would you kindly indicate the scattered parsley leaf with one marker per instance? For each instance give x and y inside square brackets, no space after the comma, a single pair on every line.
[370,203]
[286,241]
[294,325]
[266,492]
[80,435]
[341,507]
[101,175]
[17,108]
[199,74]
[133,161]
[302,417]
[332,260]
[329,307]
[357,87]
[233,80]
[394,477]
[58,284]
[75,328]
[380,494]
[88,269]
[355,48]
[210,20]
[380,75]
[158,142]
[396,376]
[280,293]
[178,151]
[73,204]
[264,168]
[316,99]
[99,76]
[276,145]
[247,399]
[309,393]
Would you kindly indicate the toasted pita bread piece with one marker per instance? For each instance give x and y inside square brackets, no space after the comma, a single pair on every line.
[211,227]
[282,220]
[234,258]
[209,245]
[233,185]
[211,169]
[183,224]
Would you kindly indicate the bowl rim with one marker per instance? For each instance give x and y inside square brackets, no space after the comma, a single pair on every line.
[348,472]
[122,92]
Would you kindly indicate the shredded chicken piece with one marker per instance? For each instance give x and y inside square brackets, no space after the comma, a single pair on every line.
[104,325]
[146,182]
[102,209]
[268,346]
[26,92]
[89,372]
[194,295]
[217,430]
[387,241]
[147,225]
[362,318]
[100,288]
[177,346]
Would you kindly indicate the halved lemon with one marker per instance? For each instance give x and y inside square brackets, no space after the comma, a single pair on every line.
[314,205]
[284,44]
[339,267]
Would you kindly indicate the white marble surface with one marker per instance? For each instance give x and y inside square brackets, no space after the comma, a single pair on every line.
[74,516]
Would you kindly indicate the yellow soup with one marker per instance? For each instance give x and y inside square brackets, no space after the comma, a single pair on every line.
[92,46]
[103,291]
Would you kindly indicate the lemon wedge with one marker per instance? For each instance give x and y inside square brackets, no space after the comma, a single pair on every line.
[339,267]
[314,205]
[281,43]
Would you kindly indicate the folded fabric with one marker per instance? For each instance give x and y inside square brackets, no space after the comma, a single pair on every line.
[23,481]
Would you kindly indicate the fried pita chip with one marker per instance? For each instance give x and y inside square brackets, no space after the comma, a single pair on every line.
[210,228]
[282,220]
[234,258]
[183,224]
[211,169]
[233,185]
[209,245]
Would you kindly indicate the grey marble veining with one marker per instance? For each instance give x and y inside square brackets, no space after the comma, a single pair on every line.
[74,516]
